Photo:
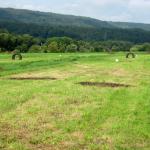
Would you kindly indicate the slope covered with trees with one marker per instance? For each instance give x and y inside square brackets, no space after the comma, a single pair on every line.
[32,31]
[78,33]
[42,18]
[46,25]
[128,25]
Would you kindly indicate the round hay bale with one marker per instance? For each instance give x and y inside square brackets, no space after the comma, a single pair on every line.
[18,55]
[130,54]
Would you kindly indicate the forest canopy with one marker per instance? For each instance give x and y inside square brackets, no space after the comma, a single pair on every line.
[27,43]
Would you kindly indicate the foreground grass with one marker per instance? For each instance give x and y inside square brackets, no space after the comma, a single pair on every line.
[61,114]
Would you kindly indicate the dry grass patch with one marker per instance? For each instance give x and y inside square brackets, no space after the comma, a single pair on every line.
[1,69]
[48,74]
[78,135]
[42,147]
[103,142]
[119,72]
[66,145]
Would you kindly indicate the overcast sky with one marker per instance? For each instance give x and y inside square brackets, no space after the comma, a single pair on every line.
[112,10]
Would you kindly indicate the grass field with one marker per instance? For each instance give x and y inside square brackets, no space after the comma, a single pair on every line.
[61,114]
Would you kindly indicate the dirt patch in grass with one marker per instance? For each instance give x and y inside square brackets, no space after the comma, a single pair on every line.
[104,84]
[32,78]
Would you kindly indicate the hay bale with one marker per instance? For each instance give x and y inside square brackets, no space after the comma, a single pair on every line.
[16,55]
[130,54]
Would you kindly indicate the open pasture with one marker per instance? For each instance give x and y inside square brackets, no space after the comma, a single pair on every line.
[82,101]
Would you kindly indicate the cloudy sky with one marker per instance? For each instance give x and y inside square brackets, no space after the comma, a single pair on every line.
[112,10]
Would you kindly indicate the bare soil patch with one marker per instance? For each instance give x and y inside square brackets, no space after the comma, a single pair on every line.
[32,78]
[104,84]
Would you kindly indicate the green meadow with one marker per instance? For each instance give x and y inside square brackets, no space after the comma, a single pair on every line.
[43,106]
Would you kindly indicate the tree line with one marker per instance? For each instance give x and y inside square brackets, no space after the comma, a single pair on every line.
[27,43]
[77,32]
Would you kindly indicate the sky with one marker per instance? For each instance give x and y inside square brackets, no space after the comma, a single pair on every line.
[109,10]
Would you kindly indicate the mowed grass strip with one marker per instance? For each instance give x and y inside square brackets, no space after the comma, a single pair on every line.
[61,114]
